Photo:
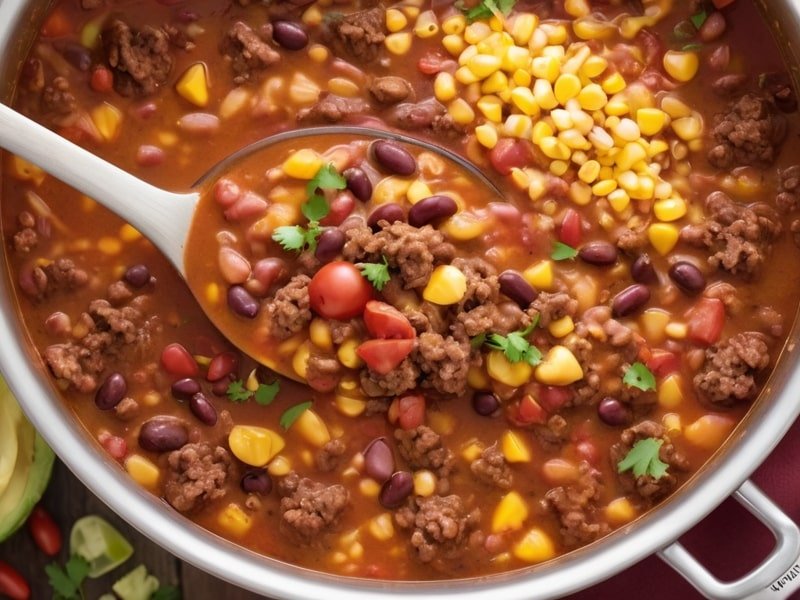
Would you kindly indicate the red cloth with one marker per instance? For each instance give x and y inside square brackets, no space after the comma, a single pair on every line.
[729,542]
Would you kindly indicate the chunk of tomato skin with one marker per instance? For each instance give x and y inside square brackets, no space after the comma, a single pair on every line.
[570,232]
[410,411]
[176,360]
[706,321]
[509,154]
[340,208]
[116,446]
[383,356]
[530,412]
[384,321]
[552,397]
[339,291]
[663,363]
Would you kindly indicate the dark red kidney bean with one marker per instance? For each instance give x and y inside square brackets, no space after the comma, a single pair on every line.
[720,58]
[163,434]
[389,212]
[76,54]
[630,300]
[396,489]
[643,271]
[137,276]
[358,183]
[202,408]
[220,388]
[513,285]
[111,392]
[290,35]
[58,323]
[44,531]
[242,302]
[329,245]
[12,583]
[713,27]
[687,277]
[379,460]
[342,206]
[183,389]
[612,412]
[222,365]
[393,158]
[599,253]
[256,481]
[431,209]
[485,403]
[269,270]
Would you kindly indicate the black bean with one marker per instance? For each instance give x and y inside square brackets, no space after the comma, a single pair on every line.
[76,54]
[396,489]
[485,403]
[241,302]
[513,285]
[630,300]
[687,277]
[358,183]
[163,434]
[290,35]
[202,408]
[379,460]
[256,481]
[598,253]
[137,276]
[329,244]
[612,412]
[389,212]
[111,392]
[393,158]
[431,209]
[643,271]
[183,389]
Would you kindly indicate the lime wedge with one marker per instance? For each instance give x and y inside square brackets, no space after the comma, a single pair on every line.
[97,542]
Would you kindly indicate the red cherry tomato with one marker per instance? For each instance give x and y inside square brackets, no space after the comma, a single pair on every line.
[12,583]
[44,531]
[552,398]
[177,361]
[530,411]
[663,362]
[341,207]
[408,411]
[339,291]
[384,321]
[383,356]
[706,321]
[570,231]
[508,154]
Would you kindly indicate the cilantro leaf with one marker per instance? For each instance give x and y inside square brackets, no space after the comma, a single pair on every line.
[316,208]
[515,347]
[478,341]
[266,393]
[77,568]
[376,273]
[643,459]
[698,19]
[296,237]
[563,252]
[486,9]
[66,582]
[237,392]
[292,414]
[167,592]
[327,178]
[692,47]
[640,377]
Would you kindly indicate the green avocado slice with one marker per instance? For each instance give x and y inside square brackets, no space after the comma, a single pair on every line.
[33,464]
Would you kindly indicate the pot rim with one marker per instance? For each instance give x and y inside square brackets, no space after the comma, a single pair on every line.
[749,444]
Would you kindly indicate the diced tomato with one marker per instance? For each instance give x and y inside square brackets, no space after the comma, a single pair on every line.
[56,25]
[663,362]
[384,321]
[322,382]
[530,411]
[12,583]
[570,232]
[116,446]
[553,397]
[705,321]
[341,207]
[102,80]
[587,451]
[177,361]
[509,154]
[44,531]
[383,356]
[408,411]
[433,63]
[339,291]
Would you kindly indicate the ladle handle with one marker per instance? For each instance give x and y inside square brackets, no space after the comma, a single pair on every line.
[162,216]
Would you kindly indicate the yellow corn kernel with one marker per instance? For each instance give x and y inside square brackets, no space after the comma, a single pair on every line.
[26,171]
[594,66]
[254,446]
[193,85]
[514,448]
[544,94]
[567,86]
[233,519]
[151,398]
[562,327]
[580,193]
[535,547]
[604,188]
[454,25]
[212,293]
[511,374]
[545,67]
[620,511]
[398,43]
[303,90]
[318,53]
[687,128]
[418,190]
[657,147]
[381,527]
[518,126]
[709,431]
[592,97]
[675,107]
[390,189]
[369,487]
[303,164]
[252,383]
[559,367]
[349,407]
[447,285]
[444,87]
[319,333]
[454,44]
[279,466]
[312,16]
[143,472]
[522,98]
[461,111]
[541,130]
[464,226]
[128,233]
[395,20]
[516,58]
[424,483]
[289,346]
[510,513]
[522,28]
[472,451]
[483,65]
[681,66]
[312,428]
[356,551]
[540,275]
[491,107]
[631,154]
[663,237]
[589,171]
[651,121]
[477,378]
[562,119]
[670,209]
[476,32]
[107,118]
[669,392]
[677,331]
[486,135]
[300,359]
[347,354]
[614,84]
[553,148]
[559,167]
[653,322]
[672,423]
[427,25]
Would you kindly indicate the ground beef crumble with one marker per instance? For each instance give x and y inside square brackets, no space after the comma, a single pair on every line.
[197,474]
[491,468]
[289,311]
[552,307]
[331,108]
[330,455]
[444,363]
[26,238]
[399,380]
[60,275]
[247,52]
[428,115]
[575,505]
[422,448]
[58,102]
[788,197]
[308,507]
[140,59]
[362,33]
[391,89]
[731,367]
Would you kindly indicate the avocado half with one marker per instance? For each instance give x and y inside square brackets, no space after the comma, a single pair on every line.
[26,463]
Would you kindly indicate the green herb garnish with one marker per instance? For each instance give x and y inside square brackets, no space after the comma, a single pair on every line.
[266,393]
[66,582]
[478,341]
[486,9]
[692,47]
[644,459]
[640,377]
[376,273]
[297,237]
[292,414]
[167,592]
[237,392]
[698,19]
[562,251]
[515,347]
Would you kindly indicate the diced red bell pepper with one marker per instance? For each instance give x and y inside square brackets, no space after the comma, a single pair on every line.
[706,321]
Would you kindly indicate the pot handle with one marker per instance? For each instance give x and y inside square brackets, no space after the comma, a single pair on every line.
[778,576]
